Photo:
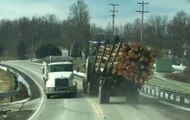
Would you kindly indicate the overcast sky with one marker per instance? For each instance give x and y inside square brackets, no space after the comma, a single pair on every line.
[99,9]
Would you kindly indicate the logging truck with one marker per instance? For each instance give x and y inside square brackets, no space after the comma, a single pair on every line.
[117,70]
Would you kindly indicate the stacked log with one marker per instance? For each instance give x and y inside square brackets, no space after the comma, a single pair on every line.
[133,62]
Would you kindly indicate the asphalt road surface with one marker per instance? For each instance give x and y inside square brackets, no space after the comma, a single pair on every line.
[85,107]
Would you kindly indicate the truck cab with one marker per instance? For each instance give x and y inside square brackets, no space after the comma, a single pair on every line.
[59,78]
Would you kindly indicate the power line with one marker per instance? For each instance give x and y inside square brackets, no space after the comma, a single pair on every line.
[113,16]
[142,11]
[100,17]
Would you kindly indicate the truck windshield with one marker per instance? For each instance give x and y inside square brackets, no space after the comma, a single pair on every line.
[59,68]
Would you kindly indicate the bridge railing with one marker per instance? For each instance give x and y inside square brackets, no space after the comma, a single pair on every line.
[166,94]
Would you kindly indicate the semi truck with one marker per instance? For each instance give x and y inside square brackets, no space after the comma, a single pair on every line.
[58,76]
[119,69]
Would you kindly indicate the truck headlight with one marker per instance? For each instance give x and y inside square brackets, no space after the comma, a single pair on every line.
[74,83]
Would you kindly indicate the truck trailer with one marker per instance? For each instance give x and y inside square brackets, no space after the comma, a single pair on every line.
[120,69]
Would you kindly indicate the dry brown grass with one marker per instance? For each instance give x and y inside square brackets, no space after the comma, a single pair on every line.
[7,84]
[6,81]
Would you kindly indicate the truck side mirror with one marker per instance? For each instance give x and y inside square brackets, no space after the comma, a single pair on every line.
[43,70]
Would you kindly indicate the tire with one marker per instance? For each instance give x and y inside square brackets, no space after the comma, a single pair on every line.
[48,96]
[85,86]
[74,95]
[94,86]
[92,79]
[105,91]
[132,96]
[132,92]
[104,97]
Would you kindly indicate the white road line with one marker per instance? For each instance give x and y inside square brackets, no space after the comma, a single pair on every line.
[41,92]
[176,106]
[41,102]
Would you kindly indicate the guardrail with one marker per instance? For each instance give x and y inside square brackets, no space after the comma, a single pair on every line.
[12,93]
[4,94]
[167,94]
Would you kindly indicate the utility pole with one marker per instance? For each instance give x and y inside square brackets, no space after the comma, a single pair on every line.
[32,42]
[113,11]
[142,11]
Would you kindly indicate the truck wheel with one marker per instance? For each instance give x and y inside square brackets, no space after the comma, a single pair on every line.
[104,97]
[132,96]
[106,91]
[132,92]
[93,81]
[74,95]
[94,86]
[48,96]
[85,86]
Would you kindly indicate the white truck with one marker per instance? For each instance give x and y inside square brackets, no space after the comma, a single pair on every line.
[58,77]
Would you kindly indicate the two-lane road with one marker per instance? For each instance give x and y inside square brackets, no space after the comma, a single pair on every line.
[85,107]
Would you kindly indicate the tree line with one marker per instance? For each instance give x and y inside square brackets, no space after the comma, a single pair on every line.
[21,37]
[166,36]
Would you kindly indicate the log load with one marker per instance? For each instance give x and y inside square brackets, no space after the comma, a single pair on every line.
[133,61]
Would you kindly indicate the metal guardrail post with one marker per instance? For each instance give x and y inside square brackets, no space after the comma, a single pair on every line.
[166,94]
[186,101]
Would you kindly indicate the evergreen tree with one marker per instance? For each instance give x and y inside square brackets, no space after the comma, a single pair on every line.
[47,50]
[76,50]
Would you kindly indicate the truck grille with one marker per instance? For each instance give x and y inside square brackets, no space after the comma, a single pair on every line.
[61,82]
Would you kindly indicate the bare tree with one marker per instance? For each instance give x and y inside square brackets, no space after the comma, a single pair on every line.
[128,32]
[109,32]
[136,30]
[179,29]
[80,23]
[158,31]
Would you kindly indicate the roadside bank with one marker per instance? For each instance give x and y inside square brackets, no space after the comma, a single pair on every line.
[14,92]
